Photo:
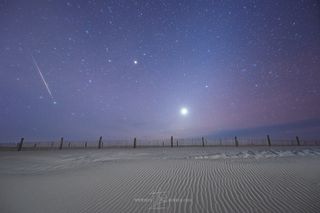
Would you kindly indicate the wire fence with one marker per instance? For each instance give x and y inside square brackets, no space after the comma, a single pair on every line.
[101,143]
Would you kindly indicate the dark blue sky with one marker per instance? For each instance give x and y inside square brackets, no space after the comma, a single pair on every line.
[126,68]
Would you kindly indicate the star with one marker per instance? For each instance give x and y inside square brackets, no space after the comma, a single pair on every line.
[152,68]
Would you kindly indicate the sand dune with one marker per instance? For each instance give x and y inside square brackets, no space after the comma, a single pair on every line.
[162,180]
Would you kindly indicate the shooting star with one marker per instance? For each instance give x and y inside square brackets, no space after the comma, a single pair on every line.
[43,79]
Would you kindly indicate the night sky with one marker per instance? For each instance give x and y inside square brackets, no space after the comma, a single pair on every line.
[123,68]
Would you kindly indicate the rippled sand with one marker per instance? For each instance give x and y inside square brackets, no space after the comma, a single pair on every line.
[209,179]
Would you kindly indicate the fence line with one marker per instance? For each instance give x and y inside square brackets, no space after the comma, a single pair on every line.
[169,142]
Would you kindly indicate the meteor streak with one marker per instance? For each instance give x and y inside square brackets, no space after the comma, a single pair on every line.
[43,79]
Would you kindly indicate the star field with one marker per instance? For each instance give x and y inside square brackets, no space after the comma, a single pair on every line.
[126,68]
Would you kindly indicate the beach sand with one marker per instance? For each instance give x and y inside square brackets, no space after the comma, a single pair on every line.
[192,179]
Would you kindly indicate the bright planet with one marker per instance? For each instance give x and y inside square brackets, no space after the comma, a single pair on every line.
[184,111]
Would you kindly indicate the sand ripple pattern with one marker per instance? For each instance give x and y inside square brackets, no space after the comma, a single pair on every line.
[208,186]
[236,182]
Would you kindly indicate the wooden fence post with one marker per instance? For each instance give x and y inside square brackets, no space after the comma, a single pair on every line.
[100,141]
[134,143]
[171,141]
[298,140]
[35,145]
[162,143]
[20,145]
[69,145]
[85,145]
[177,143]
[236,141]
[61,143]
[269,141]
[202,141]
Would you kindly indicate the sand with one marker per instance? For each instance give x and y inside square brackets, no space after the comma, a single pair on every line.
[209,179]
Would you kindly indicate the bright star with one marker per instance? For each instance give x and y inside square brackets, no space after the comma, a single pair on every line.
[135,62]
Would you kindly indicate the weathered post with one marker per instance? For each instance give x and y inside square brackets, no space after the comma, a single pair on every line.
[269,141]
[85,145]
[162,143]
[100,141]
[52,144]
[69,145]
[134,143]
[20,145]
[61,143]
[236,141]
[171,141]
[35,145]
[298,140]
[177,143]
[202,141]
